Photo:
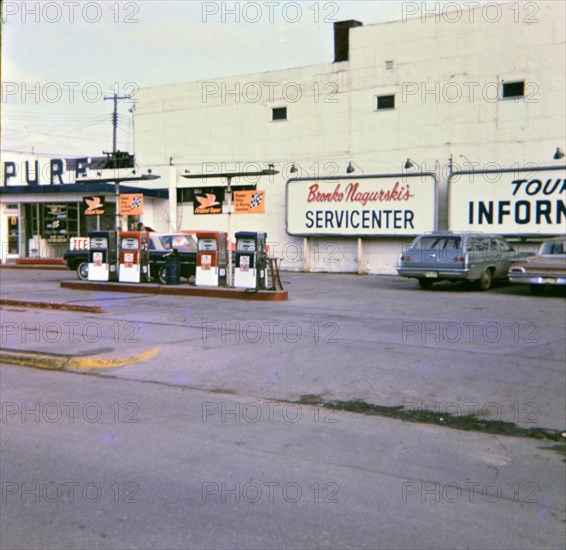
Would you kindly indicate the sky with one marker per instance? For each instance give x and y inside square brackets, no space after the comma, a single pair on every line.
[61,59]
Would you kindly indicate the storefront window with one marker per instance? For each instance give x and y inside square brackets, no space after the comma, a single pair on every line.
[53,223]
[60,221]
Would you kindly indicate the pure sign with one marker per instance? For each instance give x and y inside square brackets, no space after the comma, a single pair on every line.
[509,202]
[363,206]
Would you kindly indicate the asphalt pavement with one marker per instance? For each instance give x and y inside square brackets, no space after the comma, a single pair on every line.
[379,339]
[237,433]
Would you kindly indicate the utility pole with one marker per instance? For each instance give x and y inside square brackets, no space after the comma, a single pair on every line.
[115,98]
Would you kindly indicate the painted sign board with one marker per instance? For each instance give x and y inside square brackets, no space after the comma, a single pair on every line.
[43,171]
[371,205]
[208,200]
[521,201]
[93,206]
[249,202]
[131,204]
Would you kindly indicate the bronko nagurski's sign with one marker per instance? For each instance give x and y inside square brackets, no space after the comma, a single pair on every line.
[364,206]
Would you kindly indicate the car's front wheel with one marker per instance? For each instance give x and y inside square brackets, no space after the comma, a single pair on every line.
[426,284]
[162,275]
[82,271]
[486,280]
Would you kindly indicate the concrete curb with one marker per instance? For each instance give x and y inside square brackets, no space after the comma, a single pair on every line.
[51,305]
[180,290]
[70,363]
[40,261]
[47,267]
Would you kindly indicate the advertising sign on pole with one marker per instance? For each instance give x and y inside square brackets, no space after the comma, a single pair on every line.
[249,202]
[131,204]
[208,200]
[93,206]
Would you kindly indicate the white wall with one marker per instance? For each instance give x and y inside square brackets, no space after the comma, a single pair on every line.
[446,76]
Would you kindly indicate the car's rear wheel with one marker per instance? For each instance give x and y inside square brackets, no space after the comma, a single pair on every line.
[426,284]
[486,280]
[537,290]
[162,275]
[82,271]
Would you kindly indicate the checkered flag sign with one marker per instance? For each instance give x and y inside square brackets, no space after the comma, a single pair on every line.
[131,204]
[249,202]
[256,200]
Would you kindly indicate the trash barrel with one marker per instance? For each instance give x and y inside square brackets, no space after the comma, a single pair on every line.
[172,269]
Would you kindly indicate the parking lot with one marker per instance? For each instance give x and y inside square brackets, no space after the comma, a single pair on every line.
[245,392]
[342,337]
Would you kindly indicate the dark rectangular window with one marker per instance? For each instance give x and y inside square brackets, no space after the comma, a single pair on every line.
[385,102]
[279,113]
[514,89]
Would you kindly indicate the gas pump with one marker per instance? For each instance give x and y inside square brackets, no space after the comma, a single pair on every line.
[211,259]
[251,260]
[134,257]
[102,256]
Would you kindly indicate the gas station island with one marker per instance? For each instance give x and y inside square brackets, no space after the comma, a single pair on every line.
[218,271]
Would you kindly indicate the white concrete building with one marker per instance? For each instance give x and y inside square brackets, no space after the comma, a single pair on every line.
[480,90]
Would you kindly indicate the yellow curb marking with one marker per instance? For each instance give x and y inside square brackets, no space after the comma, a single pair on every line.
[51,362]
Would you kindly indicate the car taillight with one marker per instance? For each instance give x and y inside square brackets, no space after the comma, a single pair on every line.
[406,258]
[460,259]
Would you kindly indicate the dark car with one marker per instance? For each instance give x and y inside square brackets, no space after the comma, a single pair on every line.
[447,256]
[160,244]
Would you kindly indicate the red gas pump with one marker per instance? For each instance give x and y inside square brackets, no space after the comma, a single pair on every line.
[134,257]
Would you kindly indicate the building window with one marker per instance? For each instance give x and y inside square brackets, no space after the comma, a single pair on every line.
[385,102]
[514,89]
[279,113]
[389,65]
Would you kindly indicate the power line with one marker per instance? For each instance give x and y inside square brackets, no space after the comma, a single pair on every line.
[115,98]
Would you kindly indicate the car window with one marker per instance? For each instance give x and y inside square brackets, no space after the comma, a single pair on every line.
[482,245]
[179,242]
[504,245]
[493,246]
[553,247]
[452,243]
[439,242]
[183,241]
[476,245]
